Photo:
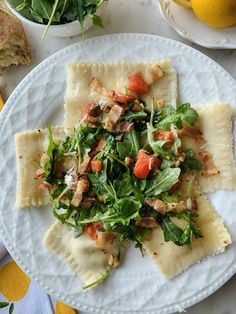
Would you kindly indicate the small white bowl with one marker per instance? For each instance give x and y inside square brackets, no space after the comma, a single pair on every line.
[61,30]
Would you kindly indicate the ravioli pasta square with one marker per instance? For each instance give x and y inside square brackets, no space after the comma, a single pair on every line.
[89,262]
[215,122]
[30,146]
[114,77]
[172,259]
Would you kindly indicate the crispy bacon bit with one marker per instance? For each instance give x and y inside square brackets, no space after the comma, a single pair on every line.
[101,145]
[82,186]
[158,205]
[192,204]
[211,169]
[109,125]
[155,73]
[40,173]
[43,186]
[44,159]
[96,86]
[113,261]
[115,113]
[105,238]
[93,121]
[84,167]
[124,127]
[179,207]
[192,132]
[147,222]
[137,106]
[121,98]
[87,202]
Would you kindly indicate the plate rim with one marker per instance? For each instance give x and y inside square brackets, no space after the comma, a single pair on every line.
[184,34]
[168,308]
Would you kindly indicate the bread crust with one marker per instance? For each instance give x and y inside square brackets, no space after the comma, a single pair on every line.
[11,31]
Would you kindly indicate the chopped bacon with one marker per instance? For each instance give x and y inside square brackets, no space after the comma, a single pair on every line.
[101,144]
[192,132]
[158,205]
[137,84]
[43,186]
[109,125]
[82,186]
[121,98]
[40,173]
[113,261]
[93,121]
[211,169]
[114,114]
[192,204]
[44,159]
[155,73]
[147,222]
[96,85]
[124,127]
[179,207]
[164,135]
[105,238]
[87,202]
[84,167]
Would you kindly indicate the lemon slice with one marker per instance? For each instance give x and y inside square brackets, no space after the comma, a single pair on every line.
[183,3]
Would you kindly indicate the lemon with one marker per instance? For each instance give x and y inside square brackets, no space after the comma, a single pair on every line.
[215,13]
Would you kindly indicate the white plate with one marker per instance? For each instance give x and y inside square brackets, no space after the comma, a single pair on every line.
[187,25]
[137,286]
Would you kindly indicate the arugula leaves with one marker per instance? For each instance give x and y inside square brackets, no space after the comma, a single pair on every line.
[51,152]
[176,234]
[164,182]
[169,115]
[59,11]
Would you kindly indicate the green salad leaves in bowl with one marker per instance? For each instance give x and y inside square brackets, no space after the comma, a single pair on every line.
[59,17]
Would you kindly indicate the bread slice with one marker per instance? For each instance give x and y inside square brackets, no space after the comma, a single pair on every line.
[14,47]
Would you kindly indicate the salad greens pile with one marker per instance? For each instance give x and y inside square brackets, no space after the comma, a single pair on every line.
[53,12]
[118,197]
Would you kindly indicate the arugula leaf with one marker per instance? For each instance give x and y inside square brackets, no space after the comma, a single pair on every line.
[97,21]
[190,162]
[11,308]
[164,181]
[169,115]
[177,235]
[129,146]
[78,231]
[3,304]
[51,152]
[101,279]
[43,8]
[123,185]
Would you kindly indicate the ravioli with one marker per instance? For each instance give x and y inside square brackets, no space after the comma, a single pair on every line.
[89,262]
[30,146]
[215,122]
[114,77]
[172,259]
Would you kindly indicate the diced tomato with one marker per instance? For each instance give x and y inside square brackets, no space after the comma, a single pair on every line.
[96,165]
[121,98]
[92,230]
[89,109]
[137,84]
[144,164]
